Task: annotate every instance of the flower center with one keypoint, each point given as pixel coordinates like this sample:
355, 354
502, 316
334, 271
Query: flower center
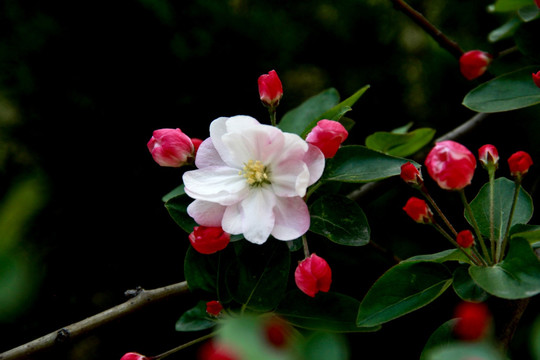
255, 172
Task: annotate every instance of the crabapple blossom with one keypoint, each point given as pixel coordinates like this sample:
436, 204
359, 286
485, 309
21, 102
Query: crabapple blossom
171, 147
251, 179
488, 156
312, 275
451, 165
474, 63
327, 135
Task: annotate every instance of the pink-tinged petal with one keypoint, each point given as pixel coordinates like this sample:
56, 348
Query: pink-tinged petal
293, 148
258, 216
232, 219
314, 159
207, 155
224, 125
218, 184
290, 178
292, 218
206, 213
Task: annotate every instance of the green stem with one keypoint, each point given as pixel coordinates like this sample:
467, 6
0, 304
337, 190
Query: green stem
438, 210
491, 172
305, 246
449, 238
183, 346
272, 112
475, 226
509, 225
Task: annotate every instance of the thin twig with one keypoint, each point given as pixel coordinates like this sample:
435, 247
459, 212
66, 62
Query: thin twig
143, 298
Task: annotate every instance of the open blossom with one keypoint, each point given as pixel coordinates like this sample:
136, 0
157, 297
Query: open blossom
451, 165
251, 179
312, 275
171, 147
474, 63
327, 135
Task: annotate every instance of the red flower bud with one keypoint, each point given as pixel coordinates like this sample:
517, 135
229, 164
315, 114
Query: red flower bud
312, 275
196, 143
472, 320
211, 350
465, 238
171, 147
133, 356
327, 135
277, 332
536, 77
410, 174
208, 240
474, 63
270, 89
451, 165
537, 2
488, 155
418, 210
213, 308
519, 163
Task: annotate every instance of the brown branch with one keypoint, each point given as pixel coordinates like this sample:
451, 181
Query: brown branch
451, 46
141, 299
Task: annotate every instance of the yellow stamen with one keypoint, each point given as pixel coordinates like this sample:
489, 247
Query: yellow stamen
255, 173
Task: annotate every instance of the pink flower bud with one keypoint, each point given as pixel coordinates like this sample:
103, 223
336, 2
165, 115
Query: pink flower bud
212, 350
472, 320
196, 143
519, 163
488, 156
327, 135
418, 210
474, 63
133, 356
536, 77
270, 89
213, 308
312, 275
465, 238
410, 174
171, 147
451, 165
208, 240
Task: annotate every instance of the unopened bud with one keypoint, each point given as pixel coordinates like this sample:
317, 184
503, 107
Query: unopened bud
418, 210
474, 63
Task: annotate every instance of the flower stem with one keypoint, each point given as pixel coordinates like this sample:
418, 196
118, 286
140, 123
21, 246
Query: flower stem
475, 226
438, 210
183, 346
272, 112
491, 172
509, 225
305, 246
449, 238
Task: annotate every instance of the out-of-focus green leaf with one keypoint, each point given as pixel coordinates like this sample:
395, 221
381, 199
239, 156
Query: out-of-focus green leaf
340, 219
325, 312
325, 346
529, 13
516, 277
504, 31
195, 319
400, 144
358, 164
504, 192
511, 91
442, 256
465, 350
440, 338
465, 287
404, 288
298, 119
508, 5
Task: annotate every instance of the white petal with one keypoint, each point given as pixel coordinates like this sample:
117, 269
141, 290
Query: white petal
292, 218
223, 125
207, 155
314, 159
258, 215
218, 184
290, 178
206, 213
264, 143
232, 219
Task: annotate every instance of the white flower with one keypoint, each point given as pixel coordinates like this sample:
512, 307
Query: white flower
251, 179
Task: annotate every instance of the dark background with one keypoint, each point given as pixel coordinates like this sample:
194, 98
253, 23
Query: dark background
84, 83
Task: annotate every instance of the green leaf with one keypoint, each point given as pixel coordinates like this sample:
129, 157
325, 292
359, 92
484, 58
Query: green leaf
325, 312
298, 119
201, 271
442, 337
177, 208
504, 192
400, 144
516, 277
531, 233
177, 191
337, 112
404, 288
442, 256
358, 164
258, 277
510, 91
508, 5
464, 350
340, 219
529, 13
504, 31
325, 346
465, 287
195, 319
